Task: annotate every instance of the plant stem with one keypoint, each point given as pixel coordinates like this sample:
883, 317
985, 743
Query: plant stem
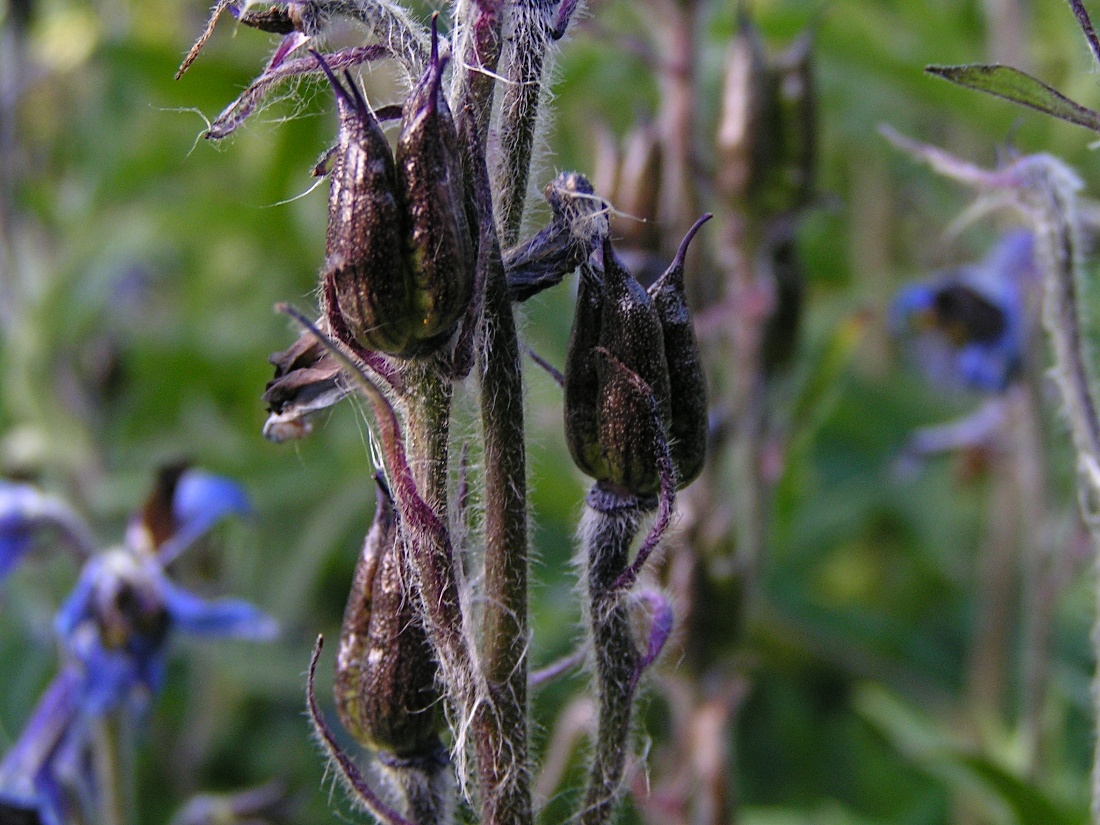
606, 540
502, 729
529, 32
1045, 190
477, 48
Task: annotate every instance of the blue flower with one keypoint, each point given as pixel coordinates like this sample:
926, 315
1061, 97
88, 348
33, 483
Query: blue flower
114, 630
967, 325
24, 513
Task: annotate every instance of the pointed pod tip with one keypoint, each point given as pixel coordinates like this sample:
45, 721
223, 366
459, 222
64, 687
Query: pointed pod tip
346, 96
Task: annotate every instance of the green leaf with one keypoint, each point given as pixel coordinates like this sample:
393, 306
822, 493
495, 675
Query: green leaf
1019, 87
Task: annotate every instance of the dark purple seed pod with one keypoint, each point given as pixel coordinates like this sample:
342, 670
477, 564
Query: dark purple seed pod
438, 246
581, 385
687, 380
365, 282
630, 330
385, 685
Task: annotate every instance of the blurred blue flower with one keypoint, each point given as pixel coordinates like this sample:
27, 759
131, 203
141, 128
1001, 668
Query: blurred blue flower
25, 512
967, 326
114, 630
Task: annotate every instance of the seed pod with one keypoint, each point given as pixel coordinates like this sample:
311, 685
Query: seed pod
631, 331
797, 101
781, 330
687, 381
638, 192
438, 247
582, 390
364, 279
747, 111
385, 684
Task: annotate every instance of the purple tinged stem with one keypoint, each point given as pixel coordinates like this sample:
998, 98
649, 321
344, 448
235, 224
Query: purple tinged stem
237, 112
355, 779
1086, 26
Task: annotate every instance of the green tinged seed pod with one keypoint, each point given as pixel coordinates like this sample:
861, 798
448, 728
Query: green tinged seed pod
385, 684
581, 388
630, 330
687, 381
438, 247
365, 279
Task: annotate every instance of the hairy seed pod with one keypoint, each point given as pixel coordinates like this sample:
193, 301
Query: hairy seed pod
385, 684
438, 247
582, 389
365, 283
687, 381
631, 331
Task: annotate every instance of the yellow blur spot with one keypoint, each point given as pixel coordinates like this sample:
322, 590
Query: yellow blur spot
65, 38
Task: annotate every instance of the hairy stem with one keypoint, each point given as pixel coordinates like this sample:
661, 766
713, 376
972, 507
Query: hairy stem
477, 43
427, 785
530, 27
502, 730
606, 538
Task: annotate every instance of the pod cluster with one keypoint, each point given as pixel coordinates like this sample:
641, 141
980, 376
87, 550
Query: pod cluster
400, 256
618, 328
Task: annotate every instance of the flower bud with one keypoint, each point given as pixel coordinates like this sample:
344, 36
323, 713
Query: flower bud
438, 245
687, 381
385, 685
365, 280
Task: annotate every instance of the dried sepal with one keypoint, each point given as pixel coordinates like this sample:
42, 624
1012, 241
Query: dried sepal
349, 774
687, 379
364, 274
385, 684
582, 387
630, 330
438, 246
578, 226
307, 380
236, 113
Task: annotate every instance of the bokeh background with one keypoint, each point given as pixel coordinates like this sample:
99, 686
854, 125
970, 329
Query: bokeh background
139, 266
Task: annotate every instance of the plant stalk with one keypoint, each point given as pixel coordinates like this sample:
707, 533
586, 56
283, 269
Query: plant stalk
501, 730
606, 540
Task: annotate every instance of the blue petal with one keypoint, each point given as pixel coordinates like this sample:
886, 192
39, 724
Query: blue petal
909, 301
17, 505
230, 618
1013, 256
78, 606
47, 727
25, 510
202, 500
110, 676
985, 368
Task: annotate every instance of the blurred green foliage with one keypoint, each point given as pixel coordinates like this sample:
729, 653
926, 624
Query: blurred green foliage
142, 266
